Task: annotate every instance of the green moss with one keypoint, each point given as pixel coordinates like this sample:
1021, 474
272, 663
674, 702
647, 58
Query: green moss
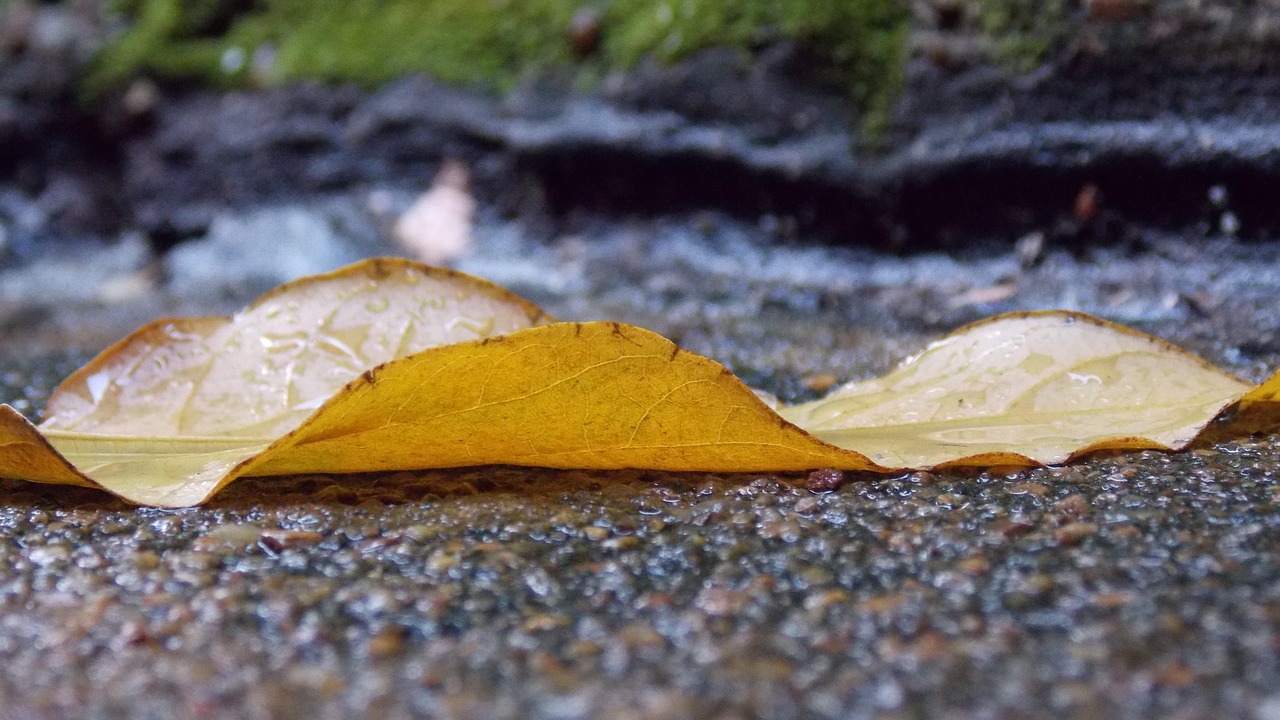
859, 42
488, 42
1025, 32
368, 41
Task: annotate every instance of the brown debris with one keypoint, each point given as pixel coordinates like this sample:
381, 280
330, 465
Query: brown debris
824, 480
437, 228
279, 540
821, 382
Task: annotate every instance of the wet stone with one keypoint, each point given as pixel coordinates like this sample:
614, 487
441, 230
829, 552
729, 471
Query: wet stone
1075, 533
1072, 507
280, 540
806, 506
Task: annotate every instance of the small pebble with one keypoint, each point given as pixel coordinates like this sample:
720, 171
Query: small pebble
824, 481
279, 540
1074, 533
626, 542
1072, 507
1015, 527
543, 622
386, 643
721, 601
422, 533
146, 560
233, 536
974, 565
807, 505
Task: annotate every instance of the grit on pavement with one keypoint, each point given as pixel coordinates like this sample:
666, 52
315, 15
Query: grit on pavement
1125, 585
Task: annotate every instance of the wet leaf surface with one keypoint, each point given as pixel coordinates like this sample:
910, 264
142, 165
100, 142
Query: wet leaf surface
388, 365
1040, 386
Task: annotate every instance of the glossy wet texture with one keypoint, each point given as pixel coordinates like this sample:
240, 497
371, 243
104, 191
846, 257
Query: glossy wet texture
262, 371
1153, 593
181, 408
170, 413
1042, 386
1141, 585
1134, 586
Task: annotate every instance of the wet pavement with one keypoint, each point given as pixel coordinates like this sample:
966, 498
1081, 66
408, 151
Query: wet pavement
1133, 176
1132, 585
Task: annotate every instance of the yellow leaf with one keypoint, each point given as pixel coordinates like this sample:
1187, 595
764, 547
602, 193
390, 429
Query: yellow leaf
165, 415
390, 365
570, 395
1033, 388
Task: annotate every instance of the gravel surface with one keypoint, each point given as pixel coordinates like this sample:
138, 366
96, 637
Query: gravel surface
1136, 585
1133, 586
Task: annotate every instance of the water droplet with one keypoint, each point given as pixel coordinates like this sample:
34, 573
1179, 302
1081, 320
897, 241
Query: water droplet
480, 327
97, 384
175, 334
277, 342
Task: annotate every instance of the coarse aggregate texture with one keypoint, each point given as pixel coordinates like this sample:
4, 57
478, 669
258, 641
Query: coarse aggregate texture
1136, 585
1140, 585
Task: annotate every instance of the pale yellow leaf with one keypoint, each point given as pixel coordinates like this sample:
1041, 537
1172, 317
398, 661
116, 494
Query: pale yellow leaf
163, 416
1039, 387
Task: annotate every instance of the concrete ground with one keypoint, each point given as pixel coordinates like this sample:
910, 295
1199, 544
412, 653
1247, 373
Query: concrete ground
1130, 585
1132, 174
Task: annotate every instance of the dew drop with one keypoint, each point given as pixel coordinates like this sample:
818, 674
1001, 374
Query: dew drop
480, 327
97, 384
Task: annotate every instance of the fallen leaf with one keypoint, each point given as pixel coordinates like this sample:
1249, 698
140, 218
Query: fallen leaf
437, 227
162, 416
984, 295
1032, 388
390, 365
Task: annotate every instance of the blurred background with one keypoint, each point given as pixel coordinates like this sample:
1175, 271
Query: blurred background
788, 186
